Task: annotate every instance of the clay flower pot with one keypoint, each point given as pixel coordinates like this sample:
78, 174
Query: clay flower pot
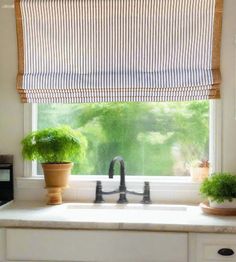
198, 174
199, 170
56, 179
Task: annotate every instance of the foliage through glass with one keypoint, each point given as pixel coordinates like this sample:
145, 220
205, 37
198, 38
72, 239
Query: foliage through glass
155, 139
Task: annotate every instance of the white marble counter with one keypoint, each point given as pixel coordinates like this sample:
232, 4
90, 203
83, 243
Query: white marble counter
113, 217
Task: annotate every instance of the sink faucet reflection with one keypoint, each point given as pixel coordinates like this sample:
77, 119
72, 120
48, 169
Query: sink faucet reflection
122, 187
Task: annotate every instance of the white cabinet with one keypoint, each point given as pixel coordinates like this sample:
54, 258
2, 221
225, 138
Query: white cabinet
2, 244
96, 246
34, 245
207, 247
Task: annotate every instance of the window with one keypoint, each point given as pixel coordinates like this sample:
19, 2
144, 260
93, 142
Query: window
155, 139
126, 57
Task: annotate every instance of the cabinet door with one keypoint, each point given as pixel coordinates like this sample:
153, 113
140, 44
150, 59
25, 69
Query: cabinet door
2, 245
212, 247
106, 246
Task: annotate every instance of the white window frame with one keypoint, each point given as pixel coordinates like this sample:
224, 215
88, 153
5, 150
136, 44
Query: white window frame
183, 188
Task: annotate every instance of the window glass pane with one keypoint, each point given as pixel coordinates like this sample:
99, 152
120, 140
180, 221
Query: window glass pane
155, 139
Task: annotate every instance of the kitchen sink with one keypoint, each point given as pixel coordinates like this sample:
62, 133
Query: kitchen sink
126, 207
124, 213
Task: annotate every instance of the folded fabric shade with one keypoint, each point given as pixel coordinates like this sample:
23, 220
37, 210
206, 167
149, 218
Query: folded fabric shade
118, 50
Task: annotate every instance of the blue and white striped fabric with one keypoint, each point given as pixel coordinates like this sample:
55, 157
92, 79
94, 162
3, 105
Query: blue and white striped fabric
117, 50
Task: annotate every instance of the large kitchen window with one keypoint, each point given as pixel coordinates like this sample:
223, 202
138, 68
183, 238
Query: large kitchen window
147, 54
155, 139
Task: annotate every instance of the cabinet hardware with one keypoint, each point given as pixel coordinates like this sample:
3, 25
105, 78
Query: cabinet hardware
225, 252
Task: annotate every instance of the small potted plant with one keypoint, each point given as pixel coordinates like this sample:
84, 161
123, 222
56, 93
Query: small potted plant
220, 189
55, 148
199, 170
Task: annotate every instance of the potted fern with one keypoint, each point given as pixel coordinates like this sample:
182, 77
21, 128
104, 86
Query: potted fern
56, 149
220, 189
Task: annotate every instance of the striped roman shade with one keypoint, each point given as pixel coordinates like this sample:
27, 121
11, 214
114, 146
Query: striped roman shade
73, 51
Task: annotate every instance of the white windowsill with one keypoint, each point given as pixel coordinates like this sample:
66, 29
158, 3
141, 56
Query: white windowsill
174, 190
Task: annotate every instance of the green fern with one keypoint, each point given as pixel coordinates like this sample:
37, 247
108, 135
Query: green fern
54, 145
219, 187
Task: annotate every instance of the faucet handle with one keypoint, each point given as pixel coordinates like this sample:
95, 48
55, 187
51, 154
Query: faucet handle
146, 193
98, 197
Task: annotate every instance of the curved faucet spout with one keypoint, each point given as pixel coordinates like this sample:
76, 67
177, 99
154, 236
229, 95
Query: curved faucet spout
122, 166
122, 188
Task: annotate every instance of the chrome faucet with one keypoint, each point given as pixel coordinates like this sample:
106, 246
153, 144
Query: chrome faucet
122, 187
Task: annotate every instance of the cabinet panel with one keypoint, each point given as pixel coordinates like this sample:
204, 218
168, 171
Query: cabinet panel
84, 245
205, 247
2, 245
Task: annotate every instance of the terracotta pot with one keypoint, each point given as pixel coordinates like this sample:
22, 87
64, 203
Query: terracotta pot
57, 175
56, 179
198, 174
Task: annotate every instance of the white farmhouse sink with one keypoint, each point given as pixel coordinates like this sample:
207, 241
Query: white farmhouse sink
125, 207
124, 213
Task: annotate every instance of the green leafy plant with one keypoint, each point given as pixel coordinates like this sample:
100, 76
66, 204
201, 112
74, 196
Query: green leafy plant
54, 145
219, 187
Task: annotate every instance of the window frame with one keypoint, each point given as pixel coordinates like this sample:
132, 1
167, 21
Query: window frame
177, 185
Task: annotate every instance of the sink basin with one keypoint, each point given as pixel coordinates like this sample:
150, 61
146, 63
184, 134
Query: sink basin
125, 207
124, 213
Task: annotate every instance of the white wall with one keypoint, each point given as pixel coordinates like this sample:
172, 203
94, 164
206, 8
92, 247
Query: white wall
11, 110
228, 70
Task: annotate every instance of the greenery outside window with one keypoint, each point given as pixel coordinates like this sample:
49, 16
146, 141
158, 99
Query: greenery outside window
155, 139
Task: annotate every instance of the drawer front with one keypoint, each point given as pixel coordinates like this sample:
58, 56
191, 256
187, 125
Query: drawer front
206, 247
84, 245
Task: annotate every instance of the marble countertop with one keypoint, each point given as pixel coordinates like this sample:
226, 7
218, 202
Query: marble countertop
113, 217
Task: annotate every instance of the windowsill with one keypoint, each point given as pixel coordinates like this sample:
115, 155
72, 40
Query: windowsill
178, 190
159, 179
